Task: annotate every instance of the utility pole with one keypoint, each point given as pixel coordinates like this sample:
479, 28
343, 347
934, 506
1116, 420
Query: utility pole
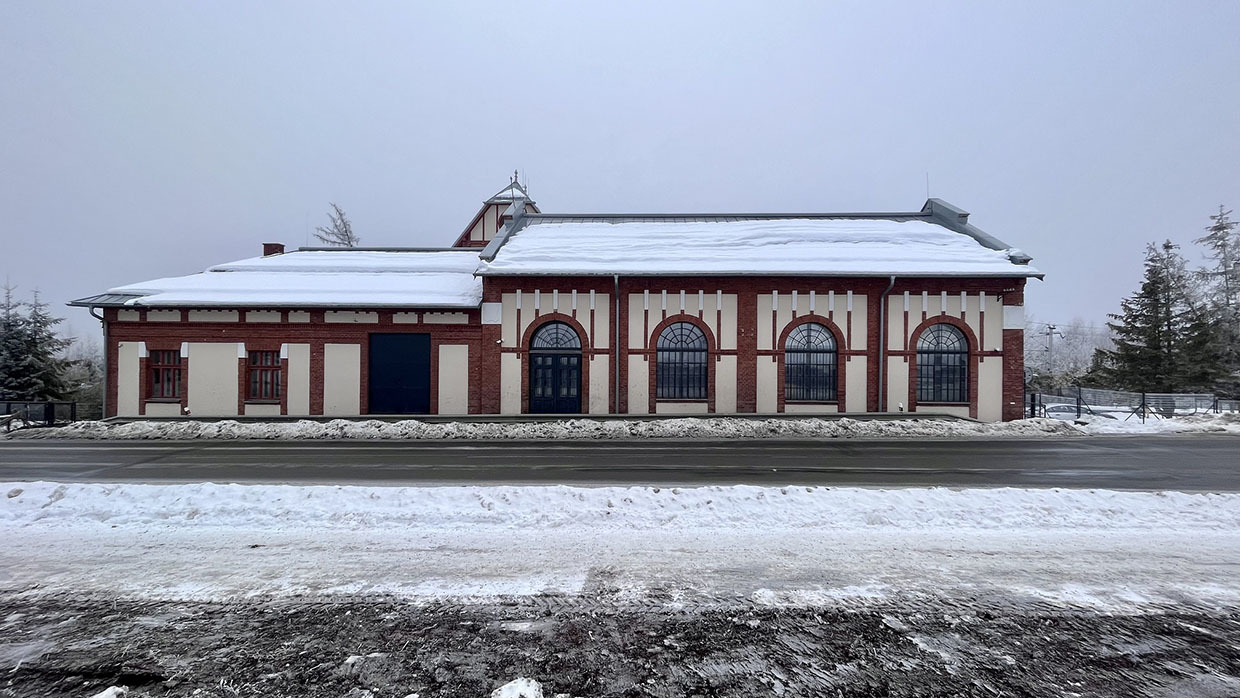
1051, 331
1050, 346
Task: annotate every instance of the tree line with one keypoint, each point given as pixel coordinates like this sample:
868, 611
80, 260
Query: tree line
37, 364
1178, 333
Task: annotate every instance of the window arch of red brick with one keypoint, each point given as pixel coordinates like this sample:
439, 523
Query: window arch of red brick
587, 352
841, 358
712, 356
974, 359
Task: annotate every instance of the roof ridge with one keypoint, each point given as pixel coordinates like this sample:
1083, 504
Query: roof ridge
382, 249
855, 214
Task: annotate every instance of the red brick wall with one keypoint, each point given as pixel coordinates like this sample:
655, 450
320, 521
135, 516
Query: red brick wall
316, 333
485, 352
1014, 357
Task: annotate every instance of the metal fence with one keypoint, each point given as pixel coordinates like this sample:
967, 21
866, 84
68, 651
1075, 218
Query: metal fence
1123, 404
37, 414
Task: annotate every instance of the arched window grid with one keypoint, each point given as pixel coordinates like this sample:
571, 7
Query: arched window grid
943, 365
681, 369
810, 364
555, 336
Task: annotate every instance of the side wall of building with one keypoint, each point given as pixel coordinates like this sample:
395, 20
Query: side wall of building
480, 359
323, 359
747, 321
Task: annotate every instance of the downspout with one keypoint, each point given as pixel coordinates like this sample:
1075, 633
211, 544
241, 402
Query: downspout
103, 399
615, 304
882, 343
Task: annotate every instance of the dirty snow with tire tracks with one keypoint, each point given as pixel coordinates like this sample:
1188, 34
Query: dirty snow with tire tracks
771, 545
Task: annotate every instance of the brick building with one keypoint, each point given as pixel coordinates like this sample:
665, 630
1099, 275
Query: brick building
532, 312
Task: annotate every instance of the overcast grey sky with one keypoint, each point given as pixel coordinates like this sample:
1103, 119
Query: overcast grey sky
140, 140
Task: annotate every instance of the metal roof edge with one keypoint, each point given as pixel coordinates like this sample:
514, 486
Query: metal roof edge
86, 302
517, 221
192, 306
957, 219
876, 215
383, 249
746, 274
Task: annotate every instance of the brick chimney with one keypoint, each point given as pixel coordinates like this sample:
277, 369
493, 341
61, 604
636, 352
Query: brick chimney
270, 248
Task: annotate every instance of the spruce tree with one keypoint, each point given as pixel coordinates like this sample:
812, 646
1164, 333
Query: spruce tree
1149, 330
1222, 240
46, 349
31, 365
16, 381
1199, 365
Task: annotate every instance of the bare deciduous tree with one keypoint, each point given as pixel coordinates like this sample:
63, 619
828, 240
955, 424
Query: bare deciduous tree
339, 233
1059, 355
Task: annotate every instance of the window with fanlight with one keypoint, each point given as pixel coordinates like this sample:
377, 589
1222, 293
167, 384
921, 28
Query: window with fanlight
943, 365
810, 364
681, 369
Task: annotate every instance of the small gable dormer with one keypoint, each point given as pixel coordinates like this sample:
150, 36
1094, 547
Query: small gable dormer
492, 216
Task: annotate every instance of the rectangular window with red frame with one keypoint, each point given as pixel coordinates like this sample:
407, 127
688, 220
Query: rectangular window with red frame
165, 367
264, 376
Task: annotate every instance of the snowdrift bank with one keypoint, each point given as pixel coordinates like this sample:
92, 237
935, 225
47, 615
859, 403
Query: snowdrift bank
603, 430
576, 429
1225, 423
735, 508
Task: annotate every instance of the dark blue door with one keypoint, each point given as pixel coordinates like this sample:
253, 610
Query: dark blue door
555, 383
400, 374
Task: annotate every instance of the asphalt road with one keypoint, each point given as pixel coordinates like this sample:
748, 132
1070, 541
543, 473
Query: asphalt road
1152, 463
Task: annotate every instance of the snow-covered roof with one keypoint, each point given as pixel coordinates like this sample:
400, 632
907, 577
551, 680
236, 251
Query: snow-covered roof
869, 245
314, 278
936, 241
509, 193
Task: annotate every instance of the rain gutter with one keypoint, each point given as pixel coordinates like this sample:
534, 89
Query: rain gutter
882, 343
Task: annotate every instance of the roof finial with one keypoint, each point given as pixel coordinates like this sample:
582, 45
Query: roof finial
514, 176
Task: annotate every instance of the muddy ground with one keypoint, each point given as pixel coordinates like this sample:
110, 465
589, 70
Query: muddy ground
78, 647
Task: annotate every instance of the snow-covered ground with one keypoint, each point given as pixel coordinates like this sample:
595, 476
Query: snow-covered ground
780, 546
1226, 422
589, 429
594, 429
577, 429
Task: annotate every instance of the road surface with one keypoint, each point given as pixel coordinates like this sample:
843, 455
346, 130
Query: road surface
1189, 463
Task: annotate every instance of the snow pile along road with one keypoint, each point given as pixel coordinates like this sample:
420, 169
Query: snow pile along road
1224, 423
574, 429
523, 508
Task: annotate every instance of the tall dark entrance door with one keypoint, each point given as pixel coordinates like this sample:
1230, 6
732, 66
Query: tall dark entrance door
555, 370
400, 374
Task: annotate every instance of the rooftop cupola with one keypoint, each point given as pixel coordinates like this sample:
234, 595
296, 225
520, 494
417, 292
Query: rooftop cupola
495, 212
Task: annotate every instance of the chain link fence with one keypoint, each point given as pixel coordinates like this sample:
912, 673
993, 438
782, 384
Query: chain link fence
1074, 402
36, 414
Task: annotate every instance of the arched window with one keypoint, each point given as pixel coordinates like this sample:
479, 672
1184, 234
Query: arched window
555, 369
555, 335
680, 371
810, 364
942, 365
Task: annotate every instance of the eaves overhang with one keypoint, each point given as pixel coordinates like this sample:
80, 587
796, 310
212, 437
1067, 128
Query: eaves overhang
104, 300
